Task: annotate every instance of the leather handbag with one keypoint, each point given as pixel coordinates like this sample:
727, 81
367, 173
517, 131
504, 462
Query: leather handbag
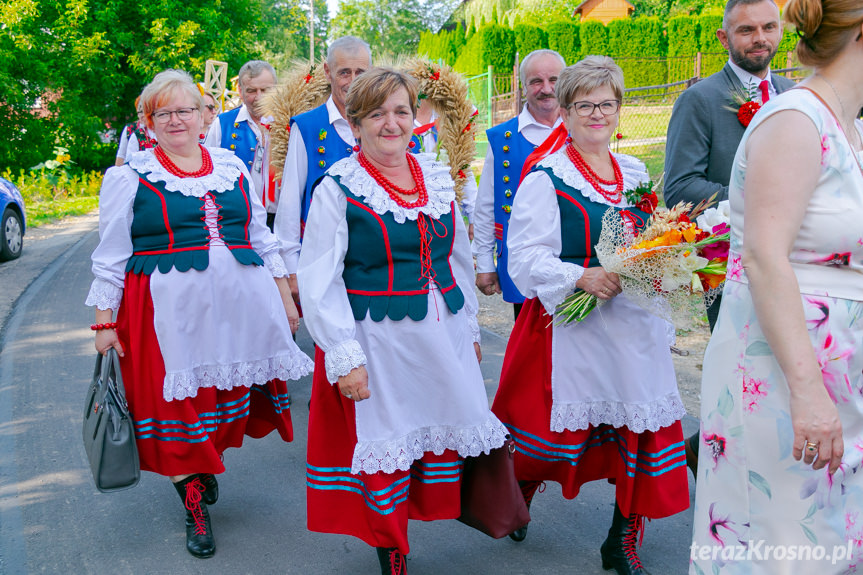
491, 500
109, 435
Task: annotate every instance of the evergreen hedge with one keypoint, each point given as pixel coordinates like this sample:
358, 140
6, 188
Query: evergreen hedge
637, 45
497, 47
564, 38
529, 38
594, 38
683, 44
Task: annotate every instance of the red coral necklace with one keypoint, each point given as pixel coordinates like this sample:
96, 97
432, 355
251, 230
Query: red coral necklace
614, 196
206, 163
393, 190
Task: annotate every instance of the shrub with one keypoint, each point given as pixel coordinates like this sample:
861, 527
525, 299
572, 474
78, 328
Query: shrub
563, 37
529, 38
594, 38
497, 47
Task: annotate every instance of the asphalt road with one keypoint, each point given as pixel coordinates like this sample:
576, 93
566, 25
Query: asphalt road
52, 519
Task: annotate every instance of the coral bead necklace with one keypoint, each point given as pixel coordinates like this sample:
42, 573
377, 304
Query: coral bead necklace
393, 190
168, 164
614, 196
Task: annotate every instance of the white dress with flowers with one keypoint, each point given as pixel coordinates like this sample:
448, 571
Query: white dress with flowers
757, 510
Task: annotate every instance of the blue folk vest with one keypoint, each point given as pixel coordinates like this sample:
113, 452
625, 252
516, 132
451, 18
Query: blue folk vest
324, 147
168, 228
581, 222
238, 137
382, 265
510, 149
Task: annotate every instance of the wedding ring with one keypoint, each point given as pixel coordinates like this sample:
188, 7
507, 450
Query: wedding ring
811, 446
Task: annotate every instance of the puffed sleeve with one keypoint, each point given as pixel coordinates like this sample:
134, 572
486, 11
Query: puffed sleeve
263, 241
116, 198
534, 244
326, 309
287, 223
462, 269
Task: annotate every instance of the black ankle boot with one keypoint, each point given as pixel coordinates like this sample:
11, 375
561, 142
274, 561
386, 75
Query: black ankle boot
392, 561
199, 533
528, 490
211, 488
618, 551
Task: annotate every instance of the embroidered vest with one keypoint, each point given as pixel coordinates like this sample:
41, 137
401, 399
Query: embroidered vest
581, 222
238, 137
324, 147
145, 142
510, 149
168, 228
382, 265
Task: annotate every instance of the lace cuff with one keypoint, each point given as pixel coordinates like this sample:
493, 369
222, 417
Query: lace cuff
275, 264
340, 359
552, 295
104, 295
473, 324
638, 418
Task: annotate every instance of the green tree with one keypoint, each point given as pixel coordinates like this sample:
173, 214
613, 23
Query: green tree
85, 61
390, 26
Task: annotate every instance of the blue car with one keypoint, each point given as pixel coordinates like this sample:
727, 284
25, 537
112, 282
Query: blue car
11, 222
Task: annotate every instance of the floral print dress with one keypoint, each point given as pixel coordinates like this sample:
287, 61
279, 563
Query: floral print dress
757, 510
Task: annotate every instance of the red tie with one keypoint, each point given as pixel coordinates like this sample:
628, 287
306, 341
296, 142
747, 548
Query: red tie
765, 93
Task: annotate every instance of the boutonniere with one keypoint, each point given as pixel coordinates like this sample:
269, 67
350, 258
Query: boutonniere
643, 197
744, 106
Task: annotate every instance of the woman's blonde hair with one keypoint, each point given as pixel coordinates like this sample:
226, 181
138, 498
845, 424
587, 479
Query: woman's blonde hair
587, 75
164, 84
372, 88
825, 27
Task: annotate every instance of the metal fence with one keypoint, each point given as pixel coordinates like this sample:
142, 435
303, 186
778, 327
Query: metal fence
646, 109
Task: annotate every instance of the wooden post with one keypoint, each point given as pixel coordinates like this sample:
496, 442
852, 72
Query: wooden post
698, 65
516, 89
215, 80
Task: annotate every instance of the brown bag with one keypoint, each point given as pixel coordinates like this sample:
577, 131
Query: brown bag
491, 500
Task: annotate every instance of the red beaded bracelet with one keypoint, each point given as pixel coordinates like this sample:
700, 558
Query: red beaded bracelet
101, 326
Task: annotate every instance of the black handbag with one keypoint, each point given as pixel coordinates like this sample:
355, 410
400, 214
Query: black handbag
109, 435
491, 500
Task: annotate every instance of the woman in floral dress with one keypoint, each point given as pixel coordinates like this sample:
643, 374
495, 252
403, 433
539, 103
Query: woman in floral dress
779, 483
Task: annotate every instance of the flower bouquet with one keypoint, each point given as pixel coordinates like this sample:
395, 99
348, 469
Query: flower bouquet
664, 265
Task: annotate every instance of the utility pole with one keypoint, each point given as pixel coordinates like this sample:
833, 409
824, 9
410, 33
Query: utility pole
312, 34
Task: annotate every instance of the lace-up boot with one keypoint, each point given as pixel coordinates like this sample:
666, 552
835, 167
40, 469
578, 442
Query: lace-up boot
619, 549
211, 488
392, 561
528, 490
199, 533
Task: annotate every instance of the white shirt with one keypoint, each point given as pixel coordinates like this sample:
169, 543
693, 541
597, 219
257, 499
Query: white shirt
132, 144
483, 217
294, 175
260, 169
751, 82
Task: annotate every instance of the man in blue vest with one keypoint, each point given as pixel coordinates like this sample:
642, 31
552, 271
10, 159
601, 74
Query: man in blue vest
243, 131
509, 144
319, 138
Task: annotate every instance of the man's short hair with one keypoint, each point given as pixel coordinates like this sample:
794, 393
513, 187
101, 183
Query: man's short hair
732, 4
347, 44
523, 66
254, 68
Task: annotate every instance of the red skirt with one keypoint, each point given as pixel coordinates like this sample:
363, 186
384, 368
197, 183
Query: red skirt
373, 507
649, 468
187, 436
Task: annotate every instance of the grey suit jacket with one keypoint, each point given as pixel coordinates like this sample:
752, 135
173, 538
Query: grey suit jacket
703, 136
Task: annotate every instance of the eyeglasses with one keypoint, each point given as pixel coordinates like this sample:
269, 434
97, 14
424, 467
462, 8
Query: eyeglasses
606, 108
183, 114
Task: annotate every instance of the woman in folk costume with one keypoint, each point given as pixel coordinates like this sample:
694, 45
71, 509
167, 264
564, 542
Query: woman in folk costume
596, 399
203, 331
386, 280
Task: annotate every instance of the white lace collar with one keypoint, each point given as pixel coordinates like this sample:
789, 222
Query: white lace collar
633, 171
439, 185
227, 167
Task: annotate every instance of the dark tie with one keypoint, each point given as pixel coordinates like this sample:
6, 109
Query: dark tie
765, 92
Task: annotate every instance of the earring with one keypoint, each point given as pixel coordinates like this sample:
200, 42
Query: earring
356, 148
200, 136
412, 145
619, 136
569, 139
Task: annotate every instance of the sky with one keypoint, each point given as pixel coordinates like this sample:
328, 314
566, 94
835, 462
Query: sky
333, 6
